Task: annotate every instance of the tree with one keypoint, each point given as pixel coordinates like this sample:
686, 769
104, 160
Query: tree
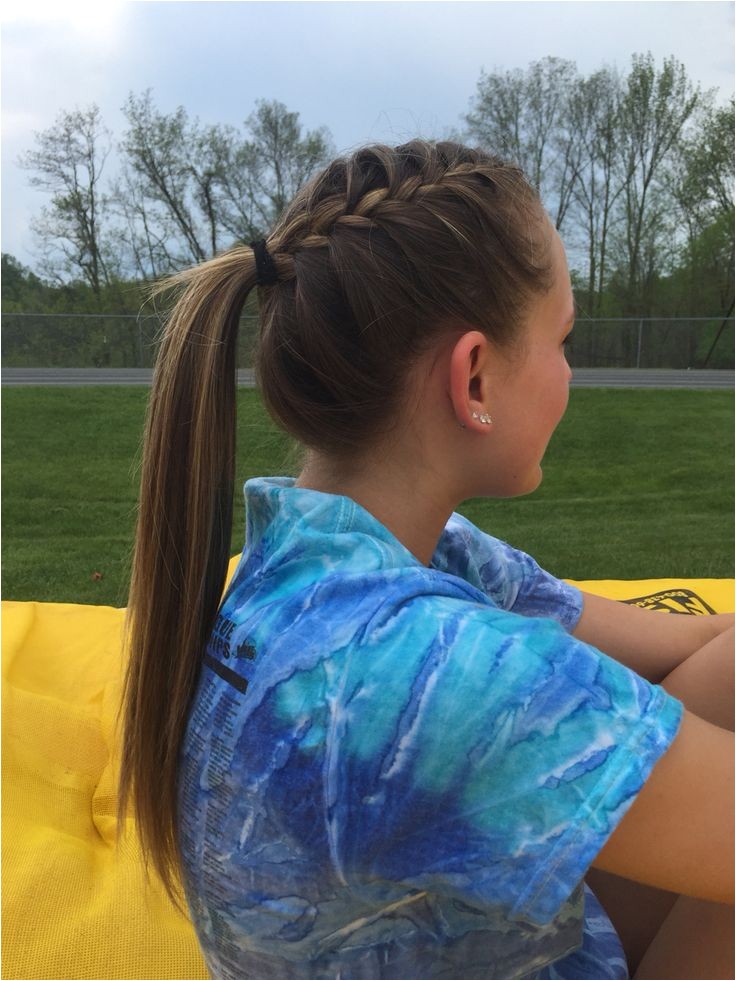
602, 151
264, 172
19, 285
146, 234
594, 112
68, 162
708, 158
655, 108
525, 115
282, 159
159, 164
701, 178
187, 191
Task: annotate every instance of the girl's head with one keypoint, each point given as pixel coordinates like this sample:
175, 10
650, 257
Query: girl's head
525, 390
380, 257
384, 259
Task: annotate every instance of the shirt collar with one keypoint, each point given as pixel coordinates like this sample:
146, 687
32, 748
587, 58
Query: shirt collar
279, 513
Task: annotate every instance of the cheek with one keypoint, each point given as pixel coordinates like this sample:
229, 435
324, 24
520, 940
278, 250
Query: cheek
565, 398
551, 406
561, 387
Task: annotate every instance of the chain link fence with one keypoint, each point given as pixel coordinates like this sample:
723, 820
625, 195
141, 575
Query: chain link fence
653, 342
126, 341
90, 340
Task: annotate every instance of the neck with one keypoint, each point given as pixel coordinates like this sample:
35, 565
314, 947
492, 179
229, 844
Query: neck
412, 509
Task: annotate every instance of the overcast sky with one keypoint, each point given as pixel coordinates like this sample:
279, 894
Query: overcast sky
369, 71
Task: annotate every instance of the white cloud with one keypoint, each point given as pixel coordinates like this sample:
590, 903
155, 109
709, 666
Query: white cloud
86, 21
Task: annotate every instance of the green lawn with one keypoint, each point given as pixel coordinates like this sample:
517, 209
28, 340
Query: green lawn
637, 484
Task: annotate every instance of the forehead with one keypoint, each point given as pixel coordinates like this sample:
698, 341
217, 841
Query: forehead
559, 255
549, 313
559, 298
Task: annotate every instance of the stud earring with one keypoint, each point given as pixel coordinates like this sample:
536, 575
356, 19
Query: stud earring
484, 417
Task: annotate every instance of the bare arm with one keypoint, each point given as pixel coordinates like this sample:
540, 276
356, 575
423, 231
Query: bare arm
678, 833
704, 681
652, 644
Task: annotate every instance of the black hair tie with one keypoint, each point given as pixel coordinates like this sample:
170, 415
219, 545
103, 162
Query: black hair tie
266, 272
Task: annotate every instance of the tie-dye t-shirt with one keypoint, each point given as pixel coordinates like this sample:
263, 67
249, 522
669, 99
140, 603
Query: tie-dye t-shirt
394, 770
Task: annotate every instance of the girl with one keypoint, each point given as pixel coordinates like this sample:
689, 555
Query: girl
394, 751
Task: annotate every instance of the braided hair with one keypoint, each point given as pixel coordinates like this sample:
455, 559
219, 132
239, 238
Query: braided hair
380, 254
377, 258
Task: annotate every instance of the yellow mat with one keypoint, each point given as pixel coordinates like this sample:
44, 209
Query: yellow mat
73, 907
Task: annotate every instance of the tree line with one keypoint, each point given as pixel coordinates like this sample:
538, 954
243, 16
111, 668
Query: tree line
635, 169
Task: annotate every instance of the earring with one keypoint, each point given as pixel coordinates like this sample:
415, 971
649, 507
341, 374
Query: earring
484, 417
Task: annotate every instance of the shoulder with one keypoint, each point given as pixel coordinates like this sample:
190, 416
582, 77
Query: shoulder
489, 563
527, 742
474, 642
509, 577
490, 663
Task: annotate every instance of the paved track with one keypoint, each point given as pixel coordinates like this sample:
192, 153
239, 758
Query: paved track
582, 377
651, 378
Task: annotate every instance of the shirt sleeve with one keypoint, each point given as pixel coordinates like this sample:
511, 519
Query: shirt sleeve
512, 759
512, 579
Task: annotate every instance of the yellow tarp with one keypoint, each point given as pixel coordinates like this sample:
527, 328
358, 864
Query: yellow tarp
73, 907
698, 596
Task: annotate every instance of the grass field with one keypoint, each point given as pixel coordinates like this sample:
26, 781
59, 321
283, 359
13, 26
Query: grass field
637, 484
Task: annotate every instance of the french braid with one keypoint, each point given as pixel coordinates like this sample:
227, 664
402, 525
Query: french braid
376, 257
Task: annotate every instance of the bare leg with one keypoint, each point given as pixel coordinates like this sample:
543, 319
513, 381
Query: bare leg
705, 681
636, 911
705, 684
665, 935
695, 941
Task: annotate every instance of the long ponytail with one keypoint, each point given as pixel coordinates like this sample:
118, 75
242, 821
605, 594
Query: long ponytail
375, 260
182, 541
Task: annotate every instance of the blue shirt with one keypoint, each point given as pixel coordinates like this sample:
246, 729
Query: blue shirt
399, 771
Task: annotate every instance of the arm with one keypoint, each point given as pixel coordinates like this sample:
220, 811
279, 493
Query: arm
678, 833
652, 644
704, 681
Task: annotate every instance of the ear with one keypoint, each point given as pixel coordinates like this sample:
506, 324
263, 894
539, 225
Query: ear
469, 360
